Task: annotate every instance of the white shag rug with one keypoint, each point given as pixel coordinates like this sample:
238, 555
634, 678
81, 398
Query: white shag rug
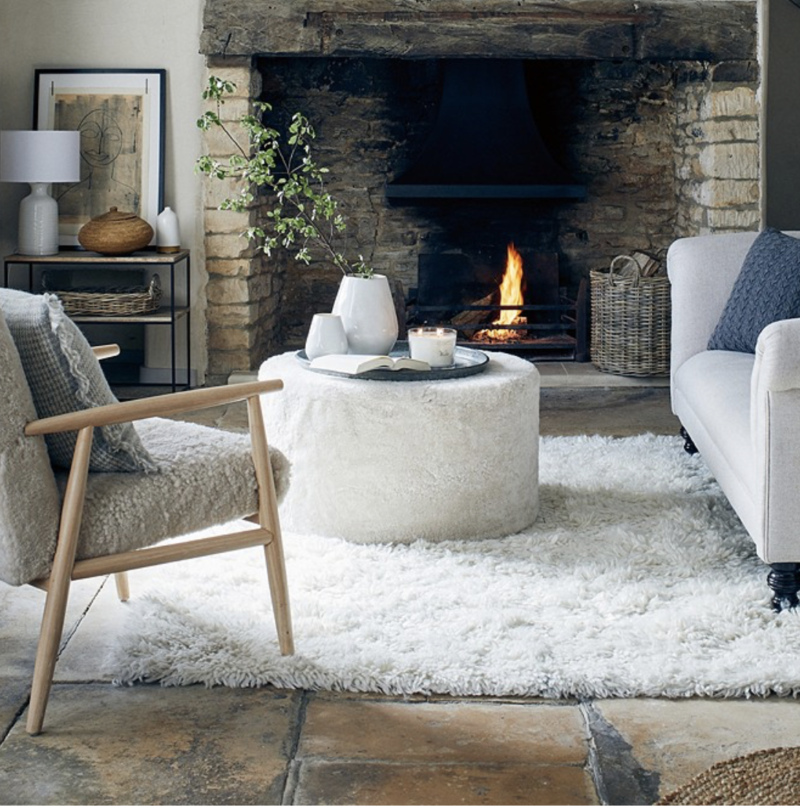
636, 579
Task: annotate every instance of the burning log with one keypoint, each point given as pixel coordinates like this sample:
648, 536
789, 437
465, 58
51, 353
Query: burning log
463, 320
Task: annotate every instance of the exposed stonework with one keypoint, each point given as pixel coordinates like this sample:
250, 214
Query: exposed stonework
511, 29
666, 148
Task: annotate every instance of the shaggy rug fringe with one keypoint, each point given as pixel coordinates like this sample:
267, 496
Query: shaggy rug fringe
637, 579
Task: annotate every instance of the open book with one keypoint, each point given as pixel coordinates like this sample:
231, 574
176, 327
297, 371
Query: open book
359, 363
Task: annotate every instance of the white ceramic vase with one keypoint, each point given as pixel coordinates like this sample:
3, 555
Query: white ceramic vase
367, 311
325, 336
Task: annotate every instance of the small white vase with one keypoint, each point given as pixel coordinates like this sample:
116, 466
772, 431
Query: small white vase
325, 336
168, 239
367, 311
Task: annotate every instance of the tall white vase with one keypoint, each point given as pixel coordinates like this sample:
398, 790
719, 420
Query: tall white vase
367, 311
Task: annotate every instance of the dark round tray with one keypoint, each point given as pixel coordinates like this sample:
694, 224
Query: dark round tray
467, 363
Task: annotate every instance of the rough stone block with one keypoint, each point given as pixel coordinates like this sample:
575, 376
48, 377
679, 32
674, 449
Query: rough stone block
217, 144
215, 191
233, 339
242, 75
737, 102
241, 268
730, 161
222, 290
725, 131
227, 246
235, 222
727, 219
727, 193
233, 315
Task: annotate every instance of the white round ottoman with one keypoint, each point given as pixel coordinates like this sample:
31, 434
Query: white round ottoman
374, 461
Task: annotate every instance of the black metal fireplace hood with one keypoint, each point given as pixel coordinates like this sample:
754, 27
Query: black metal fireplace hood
485, 143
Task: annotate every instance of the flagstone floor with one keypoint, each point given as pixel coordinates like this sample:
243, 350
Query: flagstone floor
150, 745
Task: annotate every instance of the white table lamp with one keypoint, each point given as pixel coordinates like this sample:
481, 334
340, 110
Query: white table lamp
39, 157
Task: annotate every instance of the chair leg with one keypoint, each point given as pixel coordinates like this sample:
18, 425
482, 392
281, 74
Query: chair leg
268, 518
55, 607
123, 587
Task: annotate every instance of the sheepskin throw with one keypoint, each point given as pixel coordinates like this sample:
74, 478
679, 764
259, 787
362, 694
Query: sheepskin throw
29, 506
64, 376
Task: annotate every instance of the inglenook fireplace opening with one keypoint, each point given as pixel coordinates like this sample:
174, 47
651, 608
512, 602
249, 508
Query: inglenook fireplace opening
651, 108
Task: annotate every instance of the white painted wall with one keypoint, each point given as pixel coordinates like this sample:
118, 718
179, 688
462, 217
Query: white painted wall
115, 34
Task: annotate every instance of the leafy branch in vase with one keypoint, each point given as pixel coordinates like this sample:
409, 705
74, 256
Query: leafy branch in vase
302, 213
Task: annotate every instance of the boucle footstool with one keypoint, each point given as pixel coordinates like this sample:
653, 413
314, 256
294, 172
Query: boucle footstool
378, 461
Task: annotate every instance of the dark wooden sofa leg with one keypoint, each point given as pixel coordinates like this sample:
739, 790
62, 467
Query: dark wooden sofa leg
689, 444
784, 579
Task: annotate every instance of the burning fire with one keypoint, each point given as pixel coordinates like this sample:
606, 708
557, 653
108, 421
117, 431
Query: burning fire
510, 295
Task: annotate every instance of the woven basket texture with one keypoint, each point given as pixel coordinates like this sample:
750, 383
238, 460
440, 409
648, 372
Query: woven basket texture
631, 319
116, 233
770, 777
111, 300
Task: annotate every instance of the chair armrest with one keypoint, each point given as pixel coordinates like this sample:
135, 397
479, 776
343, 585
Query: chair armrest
702, 271
105, 351
165, 405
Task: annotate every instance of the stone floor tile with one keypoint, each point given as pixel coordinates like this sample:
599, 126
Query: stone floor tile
463, 731
14, 694
20, 619
150, 745
84, 657
338, 783
680, 738
607, 412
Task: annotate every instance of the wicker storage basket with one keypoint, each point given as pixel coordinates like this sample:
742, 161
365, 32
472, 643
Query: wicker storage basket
110, 300
631, 318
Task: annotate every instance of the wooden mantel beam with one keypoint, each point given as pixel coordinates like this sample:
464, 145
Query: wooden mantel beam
714, 30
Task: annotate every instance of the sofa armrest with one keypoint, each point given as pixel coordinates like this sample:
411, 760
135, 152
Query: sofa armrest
775, 433
702, 271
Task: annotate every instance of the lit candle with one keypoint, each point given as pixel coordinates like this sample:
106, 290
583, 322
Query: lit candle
434, 344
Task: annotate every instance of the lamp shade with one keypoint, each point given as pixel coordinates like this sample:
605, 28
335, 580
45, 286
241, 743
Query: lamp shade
40, 156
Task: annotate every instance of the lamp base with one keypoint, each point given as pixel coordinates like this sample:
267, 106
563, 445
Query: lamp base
38, 223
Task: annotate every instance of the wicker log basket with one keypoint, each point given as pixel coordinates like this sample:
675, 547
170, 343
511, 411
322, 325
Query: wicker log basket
631, 317
109, 300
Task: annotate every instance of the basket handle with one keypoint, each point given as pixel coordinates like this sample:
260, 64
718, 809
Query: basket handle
624, 262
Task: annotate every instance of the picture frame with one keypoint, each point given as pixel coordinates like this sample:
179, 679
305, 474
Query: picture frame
121, 116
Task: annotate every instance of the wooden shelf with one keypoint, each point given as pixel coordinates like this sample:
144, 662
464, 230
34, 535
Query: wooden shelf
162, 315
86, 257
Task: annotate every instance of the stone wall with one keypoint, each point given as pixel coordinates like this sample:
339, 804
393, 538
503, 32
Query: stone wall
665, 149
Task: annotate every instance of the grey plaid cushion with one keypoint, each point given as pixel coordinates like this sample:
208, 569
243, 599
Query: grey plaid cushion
64, 375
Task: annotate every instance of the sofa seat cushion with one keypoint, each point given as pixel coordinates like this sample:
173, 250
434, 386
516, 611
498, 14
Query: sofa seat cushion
206, 478
711, 397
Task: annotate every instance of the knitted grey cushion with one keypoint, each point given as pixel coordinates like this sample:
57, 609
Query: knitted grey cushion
766, 290
64, 375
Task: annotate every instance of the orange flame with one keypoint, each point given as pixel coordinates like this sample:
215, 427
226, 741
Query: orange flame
510, 295
511, 288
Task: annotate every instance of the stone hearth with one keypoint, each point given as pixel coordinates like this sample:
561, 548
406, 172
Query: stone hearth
653, 106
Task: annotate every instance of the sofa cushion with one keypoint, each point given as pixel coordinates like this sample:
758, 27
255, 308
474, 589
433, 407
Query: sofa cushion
64, 376
766, 290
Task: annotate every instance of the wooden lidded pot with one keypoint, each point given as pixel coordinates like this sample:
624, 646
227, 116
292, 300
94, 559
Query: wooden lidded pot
116, 233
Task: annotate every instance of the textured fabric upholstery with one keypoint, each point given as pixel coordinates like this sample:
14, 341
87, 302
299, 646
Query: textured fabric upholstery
741, 410
64, 376
207, 477
29, 508
766, 290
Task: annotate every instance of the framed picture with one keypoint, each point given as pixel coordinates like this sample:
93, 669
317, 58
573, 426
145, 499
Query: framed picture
120, 115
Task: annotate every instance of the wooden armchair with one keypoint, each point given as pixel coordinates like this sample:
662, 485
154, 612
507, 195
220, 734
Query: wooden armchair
219, 478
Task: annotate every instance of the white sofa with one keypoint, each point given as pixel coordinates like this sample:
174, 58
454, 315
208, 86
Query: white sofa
740, 411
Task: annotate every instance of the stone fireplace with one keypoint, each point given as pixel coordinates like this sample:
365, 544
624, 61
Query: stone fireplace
652, 107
